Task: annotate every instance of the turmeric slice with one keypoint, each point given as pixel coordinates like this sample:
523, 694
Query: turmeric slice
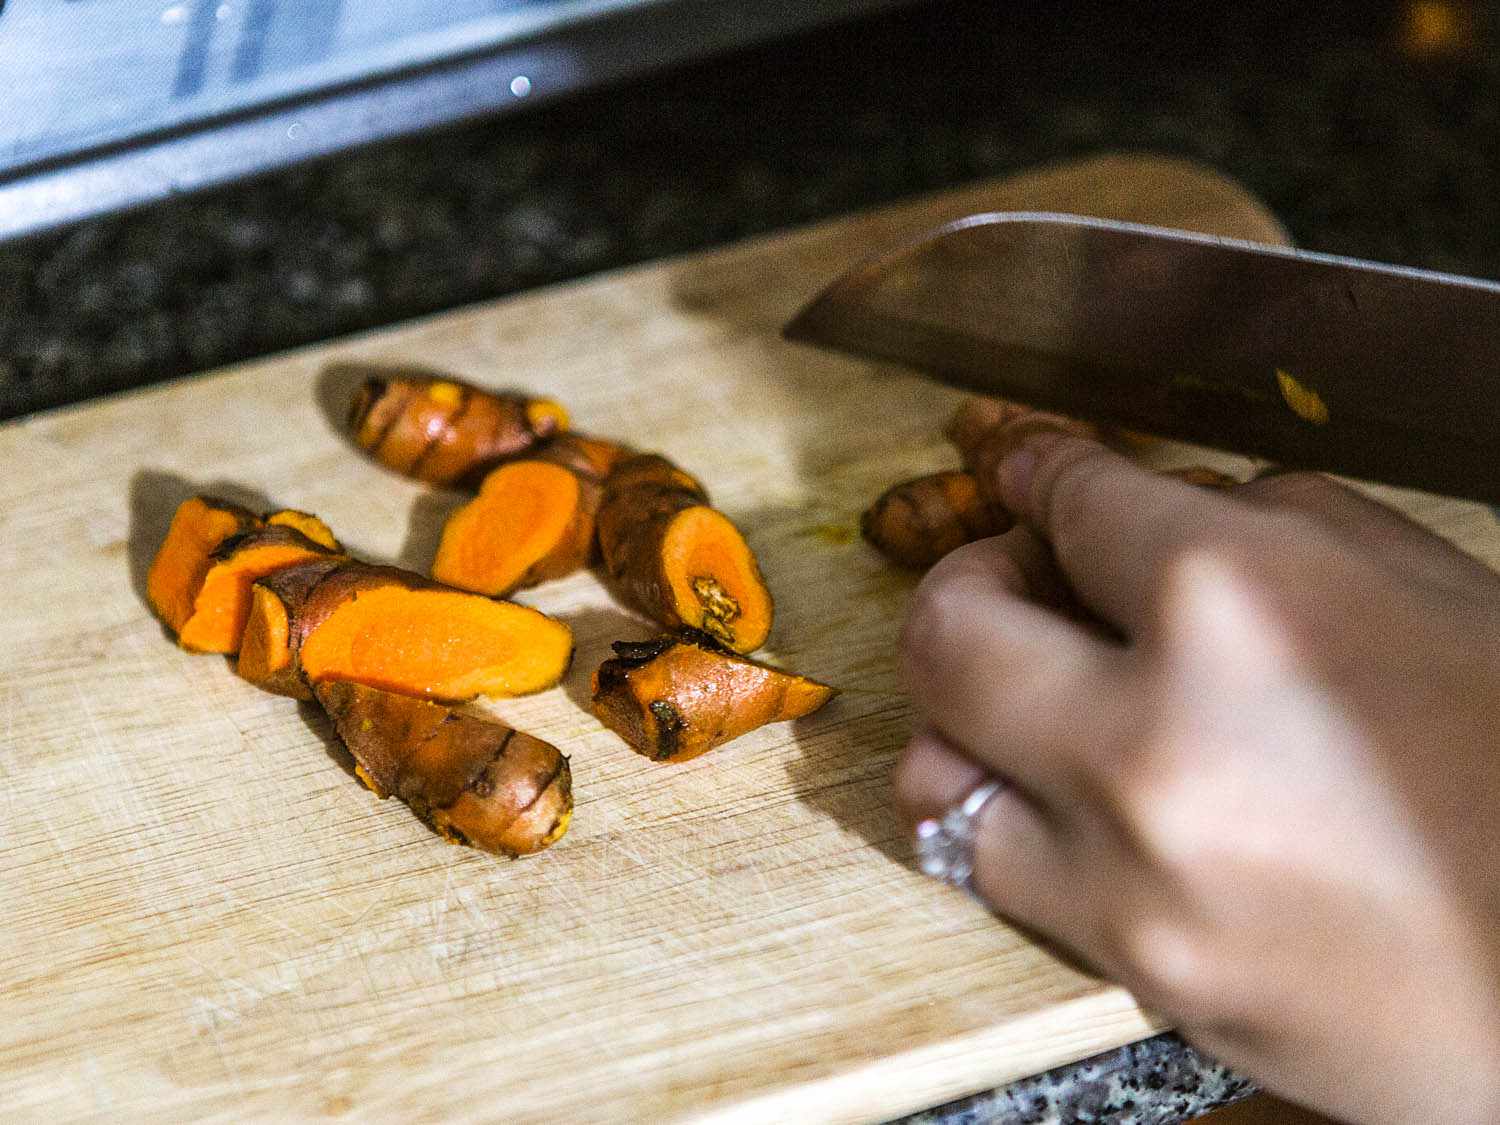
532, 521
444, 431
199, 526
308, 524
200, 581
393, 629
916, 522
676, 559
268, 656
675, 698
472, 779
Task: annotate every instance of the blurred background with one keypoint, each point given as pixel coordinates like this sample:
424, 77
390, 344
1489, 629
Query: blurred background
185, 183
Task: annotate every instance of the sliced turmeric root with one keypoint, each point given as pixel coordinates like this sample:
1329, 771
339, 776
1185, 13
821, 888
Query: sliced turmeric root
444, 431
917, 522
308, 524
474, 780
200, 524
201, 578
674, 698
676, 559
393, 629
532, 521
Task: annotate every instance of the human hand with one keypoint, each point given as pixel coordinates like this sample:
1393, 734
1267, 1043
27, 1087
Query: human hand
1253, 746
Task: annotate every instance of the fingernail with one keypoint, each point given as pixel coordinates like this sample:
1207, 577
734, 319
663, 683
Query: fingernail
1016, 472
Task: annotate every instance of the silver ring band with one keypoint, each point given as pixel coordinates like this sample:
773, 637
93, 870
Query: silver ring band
945, 846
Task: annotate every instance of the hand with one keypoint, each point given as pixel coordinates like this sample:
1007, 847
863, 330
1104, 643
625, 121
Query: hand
1253, 741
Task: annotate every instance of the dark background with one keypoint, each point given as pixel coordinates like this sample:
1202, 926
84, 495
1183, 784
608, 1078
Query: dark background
1365, 138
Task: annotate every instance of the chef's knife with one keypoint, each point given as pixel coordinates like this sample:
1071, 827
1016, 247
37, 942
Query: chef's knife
1311, 360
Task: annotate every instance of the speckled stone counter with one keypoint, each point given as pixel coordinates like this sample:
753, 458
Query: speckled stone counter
1369, 131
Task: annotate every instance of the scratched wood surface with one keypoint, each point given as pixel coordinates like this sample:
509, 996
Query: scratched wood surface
205, 916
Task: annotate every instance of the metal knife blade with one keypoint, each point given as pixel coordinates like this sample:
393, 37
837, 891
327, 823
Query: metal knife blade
1310, 360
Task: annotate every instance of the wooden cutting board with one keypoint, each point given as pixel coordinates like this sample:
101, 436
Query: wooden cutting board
206, 916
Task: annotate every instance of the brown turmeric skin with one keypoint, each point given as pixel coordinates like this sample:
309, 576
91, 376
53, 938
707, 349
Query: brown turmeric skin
532, 521
677, 560
917, 522
443, 431
392, 629
474, 780
200, 581
675, 698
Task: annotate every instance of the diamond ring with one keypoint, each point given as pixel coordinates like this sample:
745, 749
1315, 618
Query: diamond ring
945, 847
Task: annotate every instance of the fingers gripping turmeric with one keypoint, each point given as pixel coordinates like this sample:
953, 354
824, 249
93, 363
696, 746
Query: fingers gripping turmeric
476, 781
444, 431
675, 698
677, 560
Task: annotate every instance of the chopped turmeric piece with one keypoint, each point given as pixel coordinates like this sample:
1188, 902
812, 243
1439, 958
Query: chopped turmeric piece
201, 578
308, 524
917, 522
473, 779
268, 657
677, 560
1305, 402
444, 431
200, 524
675, 698
532, 521
393, 629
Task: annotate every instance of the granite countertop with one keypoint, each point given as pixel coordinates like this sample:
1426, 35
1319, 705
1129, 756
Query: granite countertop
1370, 128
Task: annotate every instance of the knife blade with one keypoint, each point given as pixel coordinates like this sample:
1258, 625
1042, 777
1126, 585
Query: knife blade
1310, 360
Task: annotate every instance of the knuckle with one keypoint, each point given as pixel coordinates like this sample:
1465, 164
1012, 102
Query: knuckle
1291, 488
1167, 967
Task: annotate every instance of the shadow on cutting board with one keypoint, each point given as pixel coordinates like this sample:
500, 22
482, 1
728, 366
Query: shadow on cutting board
154, 498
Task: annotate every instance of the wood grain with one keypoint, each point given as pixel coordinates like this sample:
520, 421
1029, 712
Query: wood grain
207, 917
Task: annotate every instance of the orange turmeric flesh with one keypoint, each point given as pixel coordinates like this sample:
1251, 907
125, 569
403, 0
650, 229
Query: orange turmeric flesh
677, 560
308, 524
444, 431
268, 657
392, 629
917, 522
200, 524
673, 699
205, 597
532, 521
474, 780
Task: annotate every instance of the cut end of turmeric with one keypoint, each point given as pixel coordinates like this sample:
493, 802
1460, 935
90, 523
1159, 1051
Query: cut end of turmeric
916, 522
439, 643
199, 526
716, 585
675, 698
530, 522
308, 524
474, 780
201, 578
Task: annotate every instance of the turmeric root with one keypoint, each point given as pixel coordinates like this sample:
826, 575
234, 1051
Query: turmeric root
532, 521
676, 559
444, 431
474, 780
1202, 476
674, 698
393, 629
917, 522
199, 583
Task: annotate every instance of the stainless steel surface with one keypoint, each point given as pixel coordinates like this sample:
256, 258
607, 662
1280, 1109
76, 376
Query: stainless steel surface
1183, 336
116, 102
